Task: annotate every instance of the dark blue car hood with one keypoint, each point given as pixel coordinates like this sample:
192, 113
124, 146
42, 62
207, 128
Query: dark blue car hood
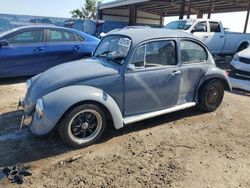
67, 74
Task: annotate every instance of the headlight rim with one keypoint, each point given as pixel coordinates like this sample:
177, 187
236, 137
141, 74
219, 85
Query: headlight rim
28, 84
40, 108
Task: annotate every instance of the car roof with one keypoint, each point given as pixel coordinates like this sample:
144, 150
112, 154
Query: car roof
44, 27
139, 35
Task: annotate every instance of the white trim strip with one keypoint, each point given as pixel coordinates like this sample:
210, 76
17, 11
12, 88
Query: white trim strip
136, 118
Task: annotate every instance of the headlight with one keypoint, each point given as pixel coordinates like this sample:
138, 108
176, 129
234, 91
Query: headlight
39, 108
28, 84
236, 57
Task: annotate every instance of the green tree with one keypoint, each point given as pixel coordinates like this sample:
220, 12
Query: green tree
88, 11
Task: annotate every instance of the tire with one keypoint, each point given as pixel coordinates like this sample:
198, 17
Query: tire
211, 95
83, 125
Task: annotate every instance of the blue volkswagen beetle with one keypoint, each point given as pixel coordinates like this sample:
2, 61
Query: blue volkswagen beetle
30, 50
133, 75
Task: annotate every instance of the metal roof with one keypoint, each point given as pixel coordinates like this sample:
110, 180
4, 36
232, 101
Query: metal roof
172, 7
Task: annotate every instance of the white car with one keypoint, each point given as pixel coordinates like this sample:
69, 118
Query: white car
240, 70
218, 40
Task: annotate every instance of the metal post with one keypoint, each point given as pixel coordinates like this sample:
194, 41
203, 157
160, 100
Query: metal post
161, 20
189, 8
131, 14
135, 15
246, 23
100, 14
210, 9
199, 14
182, 9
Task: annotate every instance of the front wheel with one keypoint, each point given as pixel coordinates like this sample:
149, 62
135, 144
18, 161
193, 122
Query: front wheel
83, 125
211, 95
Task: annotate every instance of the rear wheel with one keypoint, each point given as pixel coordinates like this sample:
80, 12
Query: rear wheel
211, 95
83, 125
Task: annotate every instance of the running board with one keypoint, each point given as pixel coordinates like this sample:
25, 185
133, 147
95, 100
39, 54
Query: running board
136, 118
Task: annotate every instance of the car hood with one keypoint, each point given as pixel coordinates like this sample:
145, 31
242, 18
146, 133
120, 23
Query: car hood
66, 74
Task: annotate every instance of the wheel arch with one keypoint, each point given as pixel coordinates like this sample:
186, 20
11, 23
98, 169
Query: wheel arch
211, 75
58, 103
105, 109
245, 44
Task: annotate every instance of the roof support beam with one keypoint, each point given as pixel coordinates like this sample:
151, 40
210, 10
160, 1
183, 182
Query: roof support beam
132, 14
189, 8
246, 23
199, 14
210, 9
182, 9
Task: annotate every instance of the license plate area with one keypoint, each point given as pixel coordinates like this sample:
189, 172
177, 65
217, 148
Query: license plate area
26, 121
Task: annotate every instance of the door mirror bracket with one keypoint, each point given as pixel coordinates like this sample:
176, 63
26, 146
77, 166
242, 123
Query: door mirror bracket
4, 43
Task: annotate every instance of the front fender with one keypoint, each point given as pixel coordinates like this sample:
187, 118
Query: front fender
214, 73
56, 103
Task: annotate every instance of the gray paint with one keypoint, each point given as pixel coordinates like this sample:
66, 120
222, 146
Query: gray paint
58, 102
127, 95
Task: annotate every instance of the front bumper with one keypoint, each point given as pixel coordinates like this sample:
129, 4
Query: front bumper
26, 121
239, 83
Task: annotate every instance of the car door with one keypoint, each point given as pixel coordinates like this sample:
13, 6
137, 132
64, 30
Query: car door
62, 46
215, 38
153, 82
24, 54
193, 66
200, 30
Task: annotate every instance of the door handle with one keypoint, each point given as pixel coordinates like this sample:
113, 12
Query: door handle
39, 49
77, 47
221, 36
174, 73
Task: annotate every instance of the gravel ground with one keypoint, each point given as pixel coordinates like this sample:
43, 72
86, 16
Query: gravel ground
182, 149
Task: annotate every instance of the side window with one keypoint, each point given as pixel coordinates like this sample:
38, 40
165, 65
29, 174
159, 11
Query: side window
201, 27
139, 57
80, 38
214, 27
61, 36
27, 37
160, 53
154, 54
192, 52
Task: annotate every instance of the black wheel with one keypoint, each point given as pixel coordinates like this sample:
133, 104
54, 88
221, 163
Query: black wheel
83, 125
211, 95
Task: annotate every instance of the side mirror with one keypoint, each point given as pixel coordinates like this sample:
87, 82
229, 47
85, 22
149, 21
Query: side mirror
199, 29
4, 43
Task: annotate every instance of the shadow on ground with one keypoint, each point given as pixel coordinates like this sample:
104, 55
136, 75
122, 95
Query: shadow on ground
17, 80
22, 146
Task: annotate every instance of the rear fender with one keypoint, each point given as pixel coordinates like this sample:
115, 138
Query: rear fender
213, 73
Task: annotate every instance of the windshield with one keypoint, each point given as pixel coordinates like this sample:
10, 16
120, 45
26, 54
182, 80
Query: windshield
180, 24
114, 48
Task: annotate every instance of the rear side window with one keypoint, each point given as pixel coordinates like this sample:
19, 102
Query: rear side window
27, 37
154, 54
214, 27
192, 52
61, 36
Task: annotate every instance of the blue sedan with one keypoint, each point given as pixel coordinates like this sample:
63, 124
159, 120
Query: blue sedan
31, 50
